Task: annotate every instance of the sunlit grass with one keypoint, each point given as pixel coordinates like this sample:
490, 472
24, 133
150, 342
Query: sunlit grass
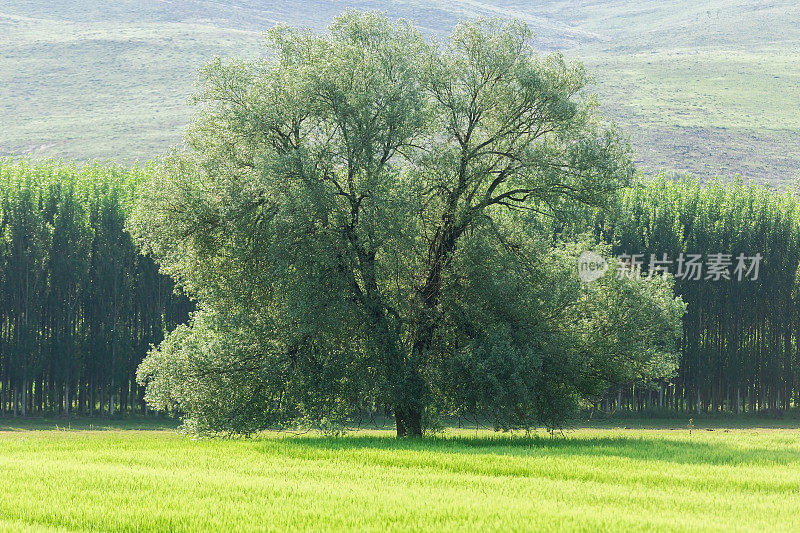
588, 479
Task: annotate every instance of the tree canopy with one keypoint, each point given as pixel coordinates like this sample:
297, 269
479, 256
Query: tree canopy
368, 221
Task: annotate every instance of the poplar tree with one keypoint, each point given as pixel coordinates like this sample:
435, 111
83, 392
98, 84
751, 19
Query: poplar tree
79, 307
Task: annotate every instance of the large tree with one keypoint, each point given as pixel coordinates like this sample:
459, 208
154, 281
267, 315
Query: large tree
367, 220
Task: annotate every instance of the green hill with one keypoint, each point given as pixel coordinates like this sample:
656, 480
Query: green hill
707, 87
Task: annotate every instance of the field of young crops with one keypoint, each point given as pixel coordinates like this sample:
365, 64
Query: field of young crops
145, 476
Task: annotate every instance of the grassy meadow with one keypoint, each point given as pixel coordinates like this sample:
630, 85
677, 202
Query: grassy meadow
143, 476
709, 88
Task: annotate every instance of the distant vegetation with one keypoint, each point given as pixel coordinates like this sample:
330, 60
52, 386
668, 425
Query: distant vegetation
61, 237
741, 337
710, 88
79, 306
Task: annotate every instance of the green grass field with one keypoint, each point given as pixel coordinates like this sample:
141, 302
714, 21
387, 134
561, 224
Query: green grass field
143, 477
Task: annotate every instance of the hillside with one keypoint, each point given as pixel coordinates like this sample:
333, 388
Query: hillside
706, 87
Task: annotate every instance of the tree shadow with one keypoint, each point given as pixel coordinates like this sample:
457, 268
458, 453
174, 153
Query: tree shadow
687, 451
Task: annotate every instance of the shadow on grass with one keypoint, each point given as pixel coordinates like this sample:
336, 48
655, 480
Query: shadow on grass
136, 423
700, 422
649, 448
670, 446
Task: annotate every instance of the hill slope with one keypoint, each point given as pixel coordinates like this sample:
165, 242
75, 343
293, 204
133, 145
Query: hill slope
708, 87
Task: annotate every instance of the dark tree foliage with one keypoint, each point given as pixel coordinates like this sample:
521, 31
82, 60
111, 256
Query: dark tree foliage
79, 307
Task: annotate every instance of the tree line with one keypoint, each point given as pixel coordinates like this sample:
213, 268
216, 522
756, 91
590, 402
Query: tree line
79, 306
741, 336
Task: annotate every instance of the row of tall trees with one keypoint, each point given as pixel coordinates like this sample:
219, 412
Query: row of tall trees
79, 307
741, 336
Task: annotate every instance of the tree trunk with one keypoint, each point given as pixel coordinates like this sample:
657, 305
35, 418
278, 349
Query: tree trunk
24, 399
738, 400
408, 421
400, 423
